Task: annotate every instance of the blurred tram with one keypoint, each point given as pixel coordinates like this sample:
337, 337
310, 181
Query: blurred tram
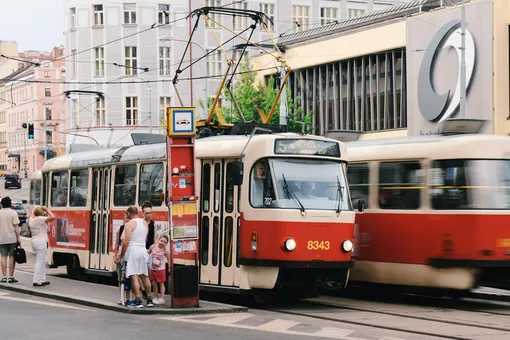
437, 211
265, 235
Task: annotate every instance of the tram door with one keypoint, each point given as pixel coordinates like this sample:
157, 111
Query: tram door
218, 239
100, 215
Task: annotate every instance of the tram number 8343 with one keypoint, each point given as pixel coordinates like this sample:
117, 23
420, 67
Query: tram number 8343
316, 245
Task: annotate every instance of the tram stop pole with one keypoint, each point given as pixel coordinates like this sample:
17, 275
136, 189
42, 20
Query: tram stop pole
183, 209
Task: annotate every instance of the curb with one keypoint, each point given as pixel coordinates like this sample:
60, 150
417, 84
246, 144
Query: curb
220, 308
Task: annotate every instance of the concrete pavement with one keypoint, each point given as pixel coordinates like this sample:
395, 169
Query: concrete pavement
104, 297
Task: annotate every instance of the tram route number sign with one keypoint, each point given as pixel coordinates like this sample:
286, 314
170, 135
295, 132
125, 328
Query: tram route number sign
309, 147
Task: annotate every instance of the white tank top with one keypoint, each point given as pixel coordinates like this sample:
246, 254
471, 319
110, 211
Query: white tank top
139, 235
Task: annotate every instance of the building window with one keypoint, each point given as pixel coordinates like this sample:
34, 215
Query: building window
328, 15
164, 61
268, 9
99, 54
240, 22
100, 112
164, 14
73, 64
47, 91
214, 16
131, 110
130, 13
353, 12
131, 62
300, 17
164, 102
46, 74
48, 113
98, 15
49, 137
72, 22
213, 63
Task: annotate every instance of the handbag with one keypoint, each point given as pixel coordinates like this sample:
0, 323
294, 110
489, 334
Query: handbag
20, 256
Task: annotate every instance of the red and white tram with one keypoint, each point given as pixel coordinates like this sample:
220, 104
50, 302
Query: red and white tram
438, 211
267, 234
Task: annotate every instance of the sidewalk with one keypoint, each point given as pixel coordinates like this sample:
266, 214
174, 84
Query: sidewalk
104, 297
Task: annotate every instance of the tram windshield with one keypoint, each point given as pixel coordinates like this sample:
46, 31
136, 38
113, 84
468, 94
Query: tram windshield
304, 184
35, 192
470, 184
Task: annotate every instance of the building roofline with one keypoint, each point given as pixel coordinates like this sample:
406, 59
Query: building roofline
393, 13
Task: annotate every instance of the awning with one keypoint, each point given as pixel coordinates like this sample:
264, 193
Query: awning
49, 153
13, 155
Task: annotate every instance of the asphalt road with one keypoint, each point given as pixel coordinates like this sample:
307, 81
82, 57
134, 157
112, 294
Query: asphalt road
16, 194
27, 317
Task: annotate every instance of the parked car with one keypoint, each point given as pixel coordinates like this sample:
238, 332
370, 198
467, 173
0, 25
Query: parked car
22, 211
12, 181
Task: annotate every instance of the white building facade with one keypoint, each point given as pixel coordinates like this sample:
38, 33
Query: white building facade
123, 57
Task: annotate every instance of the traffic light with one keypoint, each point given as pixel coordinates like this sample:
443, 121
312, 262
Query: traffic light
30, 131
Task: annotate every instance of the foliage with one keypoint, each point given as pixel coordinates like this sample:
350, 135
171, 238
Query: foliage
250, 96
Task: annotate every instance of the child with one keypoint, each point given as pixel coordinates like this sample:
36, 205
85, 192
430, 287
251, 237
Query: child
159, 257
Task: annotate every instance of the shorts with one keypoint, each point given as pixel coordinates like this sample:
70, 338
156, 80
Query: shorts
158, 275
119, 272
7, 249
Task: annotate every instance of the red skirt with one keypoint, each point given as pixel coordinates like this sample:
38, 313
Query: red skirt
158, 275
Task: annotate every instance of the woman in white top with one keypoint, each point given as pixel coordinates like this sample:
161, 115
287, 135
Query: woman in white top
135, 255
38, 224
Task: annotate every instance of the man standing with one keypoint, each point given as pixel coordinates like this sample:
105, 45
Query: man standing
9, 238
147, 216
151, 234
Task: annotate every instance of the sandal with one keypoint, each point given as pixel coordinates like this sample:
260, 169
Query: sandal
38, 284
4, 279
46, 283
12, 280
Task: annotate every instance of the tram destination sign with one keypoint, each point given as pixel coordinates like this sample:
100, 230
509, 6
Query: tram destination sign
309, 147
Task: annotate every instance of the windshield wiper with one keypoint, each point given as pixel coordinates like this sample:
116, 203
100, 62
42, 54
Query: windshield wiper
340, 196
291, 194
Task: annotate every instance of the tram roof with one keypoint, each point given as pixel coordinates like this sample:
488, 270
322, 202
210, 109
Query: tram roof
229, 146
453, 146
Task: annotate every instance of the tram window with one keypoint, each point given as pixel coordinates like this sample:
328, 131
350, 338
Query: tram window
358, 179
217, 182
125, 185
229, 242
229, 194
151, 184
399, 185
206, 187
462, 184
204, 240
79, 188
44, 190
262, 193
35, 192
216, 234
59, 186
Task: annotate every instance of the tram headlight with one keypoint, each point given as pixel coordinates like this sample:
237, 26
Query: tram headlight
290, 244
347, 245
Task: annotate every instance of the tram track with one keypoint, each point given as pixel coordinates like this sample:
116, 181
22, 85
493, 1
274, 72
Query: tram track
392, 320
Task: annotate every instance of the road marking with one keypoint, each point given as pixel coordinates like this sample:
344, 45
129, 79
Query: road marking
4, 296
274, 326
